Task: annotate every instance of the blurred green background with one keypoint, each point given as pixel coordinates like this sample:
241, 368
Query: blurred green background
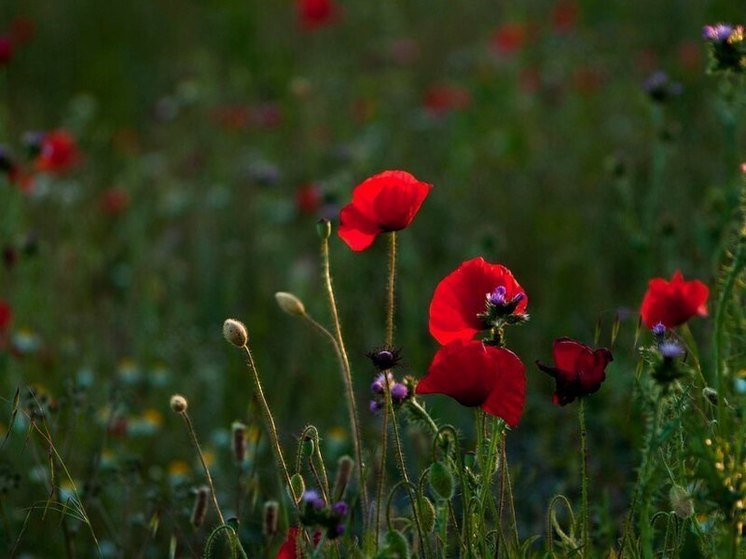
230, 129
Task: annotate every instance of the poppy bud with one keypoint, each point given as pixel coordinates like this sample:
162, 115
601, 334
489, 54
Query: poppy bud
711, 395
179, 404
397, 544
681, 502
427, 514
441, 480
200, 506
238, 439
235, 332
290, 304
344, 473
297, 487
269, 519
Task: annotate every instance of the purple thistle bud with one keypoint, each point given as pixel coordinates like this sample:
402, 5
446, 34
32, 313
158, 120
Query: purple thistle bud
497, 297
375, 406
384, 358
377, 386
399, 392
313, 498
671, 350
717, 33
340, 508
336, 531
659, 330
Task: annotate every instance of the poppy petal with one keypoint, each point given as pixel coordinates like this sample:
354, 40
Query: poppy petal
674, 302
474, 374
355, 229
460, 297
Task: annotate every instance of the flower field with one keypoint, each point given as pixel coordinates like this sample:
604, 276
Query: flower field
335, 278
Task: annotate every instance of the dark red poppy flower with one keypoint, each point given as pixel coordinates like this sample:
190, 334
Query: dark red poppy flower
565, 15
578, 370
6, 317
384, 202
463, 296
22, 29
6, 49
58, 152
114, 201
672, 303
475, 374
289, 549
316, 13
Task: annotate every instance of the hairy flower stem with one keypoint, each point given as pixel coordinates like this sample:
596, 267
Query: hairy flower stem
390, 290
269, 421
584, 478
647, 468
381, 469
347, 374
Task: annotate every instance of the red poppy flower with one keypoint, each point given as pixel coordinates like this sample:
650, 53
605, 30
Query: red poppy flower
481, 375
114, 201
385, 202
673, 302
461, 298
289, 549
58, 152
565, 15
316, 13
308, 198
578, 370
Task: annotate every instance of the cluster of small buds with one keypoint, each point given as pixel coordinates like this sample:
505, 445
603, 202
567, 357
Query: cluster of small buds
727, 47
500, 310
399, 391
661, 88
316, 512
670, 350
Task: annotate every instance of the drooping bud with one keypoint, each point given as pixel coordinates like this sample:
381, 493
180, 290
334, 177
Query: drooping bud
290, 304
199, 510
270, 518
238, 441
441, 480
396, 544
179, 404
427, 514
344, 473
681, 502
297, 487
235, 332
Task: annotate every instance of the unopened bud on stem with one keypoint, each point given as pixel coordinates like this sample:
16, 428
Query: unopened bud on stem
290, 304
235, 332
179, 404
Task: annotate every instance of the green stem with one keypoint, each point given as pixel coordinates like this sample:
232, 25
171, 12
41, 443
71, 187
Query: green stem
269, 422
647, 468
381, 469
584, 477
198, 448
392, 278
347, 374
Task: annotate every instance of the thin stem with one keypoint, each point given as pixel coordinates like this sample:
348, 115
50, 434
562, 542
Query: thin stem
390, 298
381, 468
346, 373
195, 442
269, 421
584, 477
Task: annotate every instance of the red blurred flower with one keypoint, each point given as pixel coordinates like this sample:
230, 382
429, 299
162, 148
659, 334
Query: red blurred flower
509, 37
672, 303
316, 13
289, 548
58, 152
578, 370
565, 15
308, 199
114, 201
461, 298
6, 317
442, 98
384, 202
475, 374
6, 49
22, 29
